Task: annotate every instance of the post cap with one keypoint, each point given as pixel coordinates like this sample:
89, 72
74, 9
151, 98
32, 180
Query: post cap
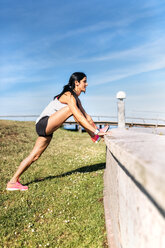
121, 95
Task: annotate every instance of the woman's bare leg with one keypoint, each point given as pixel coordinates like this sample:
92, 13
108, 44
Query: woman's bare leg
54, 122
40, 146
57, 119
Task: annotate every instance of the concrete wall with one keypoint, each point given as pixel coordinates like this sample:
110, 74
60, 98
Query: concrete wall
134, 192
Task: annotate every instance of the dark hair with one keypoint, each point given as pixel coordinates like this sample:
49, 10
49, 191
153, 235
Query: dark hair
76, 76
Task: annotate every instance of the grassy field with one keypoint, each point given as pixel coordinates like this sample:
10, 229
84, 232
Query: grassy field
64, 204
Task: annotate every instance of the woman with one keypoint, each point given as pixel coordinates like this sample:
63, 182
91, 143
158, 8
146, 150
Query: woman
54, 115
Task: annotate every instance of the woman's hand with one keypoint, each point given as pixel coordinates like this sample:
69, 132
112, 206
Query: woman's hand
101, 134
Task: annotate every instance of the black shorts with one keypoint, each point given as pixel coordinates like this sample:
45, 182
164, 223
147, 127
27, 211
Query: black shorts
41, 127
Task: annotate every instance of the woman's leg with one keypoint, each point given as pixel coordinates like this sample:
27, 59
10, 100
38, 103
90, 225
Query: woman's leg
42, 143
57, 119
40, 146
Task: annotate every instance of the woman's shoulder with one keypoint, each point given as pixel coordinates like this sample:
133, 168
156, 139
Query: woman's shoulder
67, 93
67, 97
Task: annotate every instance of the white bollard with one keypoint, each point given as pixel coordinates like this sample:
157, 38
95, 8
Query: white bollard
121, 109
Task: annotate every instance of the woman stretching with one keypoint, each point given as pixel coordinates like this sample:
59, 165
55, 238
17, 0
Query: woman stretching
54, 115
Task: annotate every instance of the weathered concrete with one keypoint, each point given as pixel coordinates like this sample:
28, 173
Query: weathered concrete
134, 193
121, 109
121, 114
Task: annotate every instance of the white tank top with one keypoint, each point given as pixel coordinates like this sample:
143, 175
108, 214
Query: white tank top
51, 108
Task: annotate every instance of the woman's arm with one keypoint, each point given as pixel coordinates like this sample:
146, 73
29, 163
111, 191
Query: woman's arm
79, 115
88, 117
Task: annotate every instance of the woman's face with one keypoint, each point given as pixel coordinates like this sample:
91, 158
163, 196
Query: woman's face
83, 84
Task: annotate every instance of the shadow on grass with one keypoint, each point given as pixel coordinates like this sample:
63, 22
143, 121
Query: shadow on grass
84, 169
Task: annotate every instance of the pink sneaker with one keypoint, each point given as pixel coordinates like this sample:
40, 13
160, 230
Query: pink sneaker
104, 129
96, 138
16, 186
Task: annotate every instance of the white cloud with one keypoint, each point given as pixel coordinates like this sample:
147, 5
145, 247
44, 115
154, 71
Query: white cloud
148, 50
7, 82
114, 75
145, 58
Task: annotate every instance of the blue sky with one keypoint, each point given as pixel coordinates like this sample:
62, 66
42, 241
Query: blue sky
120, 45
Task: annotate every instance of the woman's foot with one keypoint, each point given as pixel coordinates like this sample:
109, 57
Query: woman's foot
96, 138
16, 186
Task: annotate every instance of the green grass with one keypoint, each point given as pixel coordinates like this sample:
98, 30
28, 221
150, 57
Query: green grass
63, 206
